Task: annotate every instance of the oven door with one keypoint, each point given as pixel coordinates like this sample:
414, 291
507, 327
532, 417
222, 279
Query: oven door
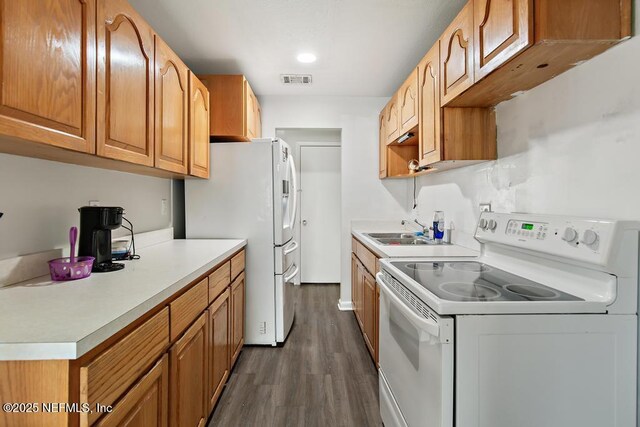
416, 360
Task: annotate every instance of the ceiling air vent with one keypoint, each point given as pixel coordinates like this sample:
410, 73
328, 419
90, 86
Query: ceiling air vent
296, 79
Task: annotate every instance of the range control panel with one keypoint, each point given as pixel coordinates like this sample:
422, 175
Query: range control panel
581, 239
527, 230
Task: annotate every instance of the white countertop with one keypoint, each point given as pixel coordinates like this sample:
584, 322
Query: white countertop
41, 319
411, 251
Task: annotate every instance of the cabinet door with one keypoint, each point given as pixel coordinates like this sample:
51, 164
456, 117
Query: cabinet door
359, 293
237, 316
377, 326
125, 84
382, 146
369, 311
146, 404
354, 285
218, 347
502, 29
408, 103
251, 108
47, 72
171, 112
199, 163
430, 111
456, 57
188, 398
258, 120
391, 121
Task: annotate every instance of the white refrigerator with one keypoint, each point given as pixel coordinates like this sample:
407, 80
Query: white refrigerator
251, 194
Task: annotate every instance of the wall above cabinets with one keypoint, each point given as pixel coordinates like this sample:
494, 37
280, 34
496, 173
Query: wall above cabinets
90, 83
236, 115
491, 51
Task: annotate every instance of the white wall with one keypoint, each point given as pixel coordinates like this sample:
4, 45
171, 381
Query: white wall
570, 146
40, 201
364, 196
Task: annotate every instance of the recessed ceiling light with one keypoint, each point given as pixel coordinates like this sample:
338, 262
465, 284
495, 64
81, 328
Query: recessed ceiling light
306, 58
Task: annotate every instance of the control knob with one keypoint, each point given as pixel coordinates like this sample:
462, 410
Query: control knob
589, 237
492, 224
570, 234
483, 224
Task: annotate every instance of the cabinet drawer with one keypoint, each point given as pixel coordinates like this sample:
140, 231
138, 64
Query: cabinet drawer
237, 264
187, 307
354, 245
146, 404
219, 280
367, 258
105, 378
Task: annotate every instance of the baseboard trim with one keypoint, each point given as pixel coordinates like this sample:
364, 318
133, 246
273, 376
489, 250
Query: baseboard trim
345, 305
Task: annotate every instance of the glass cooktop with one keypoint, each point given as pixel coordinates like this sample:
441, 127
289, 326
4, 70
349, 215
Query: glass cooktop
474, 281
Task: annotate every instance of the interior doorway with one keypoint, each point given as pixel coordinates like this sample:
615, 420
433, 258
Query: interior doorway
320, 212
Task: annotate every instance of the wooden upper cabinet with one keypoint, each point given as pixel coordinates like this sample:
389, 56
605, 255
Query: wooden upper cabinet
171, 112
188, 402
125, 84
235, 111
502, 29
250, 111
382, 146
47, 72
258, 120
391, 122
430, 138
520, 44
408, 103
199, 157
457, 56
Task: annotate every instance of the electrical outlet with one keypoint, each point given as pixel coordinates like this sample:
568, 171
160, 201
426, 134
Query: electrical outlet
485, 207
94, 202
263, 328
164, 206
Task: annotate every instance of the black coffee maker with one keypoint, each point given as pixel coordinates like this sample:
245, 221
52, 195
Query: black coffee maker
96, 223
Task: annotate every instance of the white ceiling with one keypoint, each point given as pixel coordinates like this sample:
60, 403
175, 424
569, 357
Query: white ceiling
364, 47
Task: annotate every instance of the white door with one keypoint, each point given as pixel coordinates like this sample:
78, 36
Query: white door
320, 214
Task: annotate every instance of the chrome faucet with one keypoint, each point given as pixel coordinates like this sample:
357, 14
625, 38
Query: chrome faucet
425, 229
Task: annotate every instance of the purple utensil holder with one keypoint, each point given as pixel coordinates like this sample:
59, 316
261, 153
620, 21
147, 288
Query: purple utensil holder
62, 269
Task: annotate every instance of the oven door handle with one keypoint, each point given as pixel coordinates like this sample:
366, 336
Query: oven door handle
427, 327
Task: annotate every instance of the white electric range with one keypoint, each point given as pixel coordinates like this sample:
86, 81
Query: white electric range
539, 330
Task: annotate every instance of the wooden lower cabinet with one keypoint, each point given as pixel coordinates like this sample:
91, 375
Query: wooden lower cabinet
167, 369
237, 317
146, 404
369, 311
188, 360
365, 297
218, 316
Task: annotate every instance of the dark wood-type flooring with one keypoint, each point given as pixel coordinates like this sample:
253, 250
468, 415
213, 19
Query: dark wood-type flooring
322, 376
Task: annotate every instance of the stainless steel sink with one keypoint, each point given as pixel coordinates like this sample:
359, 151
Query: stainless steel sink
408, 241
377, 236
400, 239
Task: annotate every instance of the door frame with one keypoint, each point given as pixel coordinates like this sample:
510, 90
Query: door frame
301, 145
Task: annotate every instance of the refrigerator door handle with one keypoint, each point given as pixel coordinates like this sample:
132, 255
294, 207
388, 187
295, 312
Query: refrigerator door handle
294, 182
288, 277
291, 247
